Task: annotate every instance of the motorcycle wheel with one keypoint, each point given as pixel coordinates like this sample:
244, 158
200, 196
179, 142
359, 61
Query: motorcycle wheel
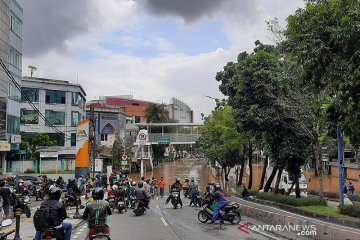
120, 210
202, 216
36, 198
236, 219
28, 212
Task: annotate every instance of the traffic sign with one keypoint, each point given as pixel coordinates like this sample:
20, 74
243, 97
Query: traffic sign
164, 141
142, 136
124, 157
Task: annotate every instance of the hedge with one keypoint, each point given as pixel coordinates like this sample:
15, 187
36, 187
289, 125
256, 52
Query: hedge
354, 198
351, 210
289, 200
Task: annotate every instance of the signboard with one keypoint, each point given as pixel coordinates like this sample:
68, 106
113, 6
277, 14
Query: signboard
82, 144
142, 137
163, 141
5, 146
15, 138
123, 163
98, 165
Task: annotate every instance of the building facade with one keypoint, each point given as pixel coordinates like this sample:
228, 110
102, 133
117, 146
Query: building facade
62, 104
180, 111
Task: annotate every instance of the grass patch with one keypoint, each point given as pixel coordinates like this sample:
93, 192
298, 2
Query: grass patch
289, 200
252, 192
325, 210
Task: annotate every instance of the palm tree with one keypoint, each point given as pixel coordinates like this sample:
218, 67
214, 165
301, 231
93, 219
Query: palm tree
156, 113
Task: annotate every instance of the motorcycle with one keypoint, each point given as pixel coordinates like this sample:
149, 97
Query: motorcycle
229, 213
99, 232
139, 208
69, 200
6, 223
111, 201
175, 194
39, 192
23, 202
186, 192
52, 234
132, 201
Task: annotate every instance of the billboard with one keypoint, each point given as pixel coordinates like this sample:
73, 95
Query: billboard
82, 144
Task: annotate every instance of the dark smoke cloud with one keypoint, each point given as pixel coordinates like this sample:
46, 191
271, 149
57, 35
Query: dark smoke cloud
48, 24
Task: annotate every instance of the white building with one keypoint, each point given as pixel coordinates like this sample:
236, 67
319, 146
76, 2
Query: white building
180, 111
62, 104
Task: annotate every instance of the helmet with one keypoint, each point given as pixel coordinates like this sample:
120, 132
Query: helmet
147, 180
186, 179
192, 180
98, 193
178, 180
134, 183
218, 195
124, 183
114, 187
54, 193
217, 187
140, 184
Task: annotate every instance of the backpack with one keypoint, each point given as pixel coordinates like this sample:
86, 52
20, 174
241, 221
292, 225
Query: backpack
41, 218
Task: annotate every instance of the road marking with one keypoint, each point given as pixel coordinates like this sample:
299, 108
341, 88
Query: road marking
164, 222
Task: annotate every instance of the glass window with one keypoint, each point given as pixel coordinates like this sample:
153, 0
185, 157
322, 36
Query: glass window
58, 137
75, 119
75, 98
31, 93
15, 58
16, 26
137, 119
29, 116
103, 137
14, 93
13, 124
53, 96
73, 139
54, 117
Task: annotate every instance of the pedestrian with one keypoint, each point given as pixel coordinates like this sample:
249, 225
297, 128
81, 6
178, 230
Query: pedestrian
5, 193
245, 193
351, 188
345, 189
162, 184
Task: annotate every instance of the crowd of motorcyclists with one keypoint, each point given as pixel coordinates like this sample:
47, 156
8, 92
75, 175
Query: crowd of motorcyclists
122, 194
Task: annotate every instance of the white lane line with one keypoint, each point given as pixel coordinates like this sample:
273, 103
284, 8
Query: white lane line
164, 222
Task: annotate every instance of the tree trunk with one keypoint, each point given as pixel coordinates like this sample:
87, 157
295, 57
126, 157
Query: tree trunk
226, 171
270, 179
241, 171
263, 173
237, 171
315, 166
297, 188
250, 165
291, 188
321, 181
276, 191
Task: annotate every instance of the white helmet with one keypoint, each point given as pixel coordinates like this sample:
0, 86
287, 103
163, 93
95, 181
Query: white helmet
114, 187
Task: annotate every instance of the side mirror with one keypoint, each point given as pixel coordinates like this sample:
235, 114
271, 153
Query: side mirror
6, 223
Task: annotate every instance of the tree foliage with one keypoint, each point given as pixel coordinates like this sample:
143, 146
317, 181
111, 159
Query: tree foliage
156, 113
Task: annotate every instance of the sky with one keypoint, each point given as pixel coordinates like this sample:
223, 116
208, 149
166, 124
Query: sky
153, 49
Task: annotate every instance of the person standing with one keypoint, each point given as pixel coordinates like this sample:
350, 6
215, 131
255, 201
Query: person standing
162, 184
5, 193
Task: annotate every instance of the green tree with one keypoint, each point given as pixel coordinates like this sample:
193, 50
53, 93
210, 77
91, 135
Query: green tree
39, 140
220, 140
117, 152
156, 113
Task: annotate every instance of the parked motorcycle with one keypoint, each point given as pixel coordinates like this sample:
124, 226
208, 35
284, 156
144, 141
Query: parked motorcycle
175, 194
229, 213
139, 208
39, 192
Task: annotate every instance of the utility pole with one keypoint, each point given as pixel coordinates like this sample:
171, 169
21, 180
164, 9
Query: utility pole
92, 140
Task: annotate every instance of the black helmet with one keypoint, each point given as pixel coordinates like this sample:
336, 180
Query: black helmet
140, 184
54, 193
217, 187
217, 195
178, 180
98, 193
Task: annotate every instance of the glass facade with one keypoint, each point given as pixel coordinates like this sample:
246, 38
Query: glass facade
31, 93
13, 125
55, 117
75, 118
15, 58
29, 116
53, 96
2, 117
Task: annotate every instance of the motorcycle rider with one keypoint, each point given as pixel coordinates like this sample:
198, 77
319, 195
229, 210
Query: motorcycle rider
154, 186
96, 213
57, 213
175, 187
221, 202
142, 195
186, 186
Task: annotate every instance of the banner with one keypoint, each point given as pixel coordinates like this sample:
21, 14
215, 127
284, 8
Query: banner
82, 144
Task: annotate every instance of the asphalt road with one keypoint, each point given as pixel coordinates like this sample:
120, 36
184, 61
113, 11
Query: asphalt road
164, 222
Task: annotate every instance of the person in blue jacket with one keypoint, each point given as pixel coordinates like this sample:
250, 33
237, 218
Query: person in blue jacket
221, 202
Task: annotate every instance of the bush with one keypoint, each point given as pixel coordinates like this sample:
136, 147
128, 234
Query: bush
354, 198
289, 200
351, 210
252, 192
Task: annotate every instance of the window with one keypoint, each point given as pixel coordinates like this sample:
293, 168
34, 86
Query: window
75, 98
13, 124
54, 117
14, 93
58, 137
16, 26
137, 119
75, 118
73, 139
103, 137
29, 116
15, 58
53, 96
31, 93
